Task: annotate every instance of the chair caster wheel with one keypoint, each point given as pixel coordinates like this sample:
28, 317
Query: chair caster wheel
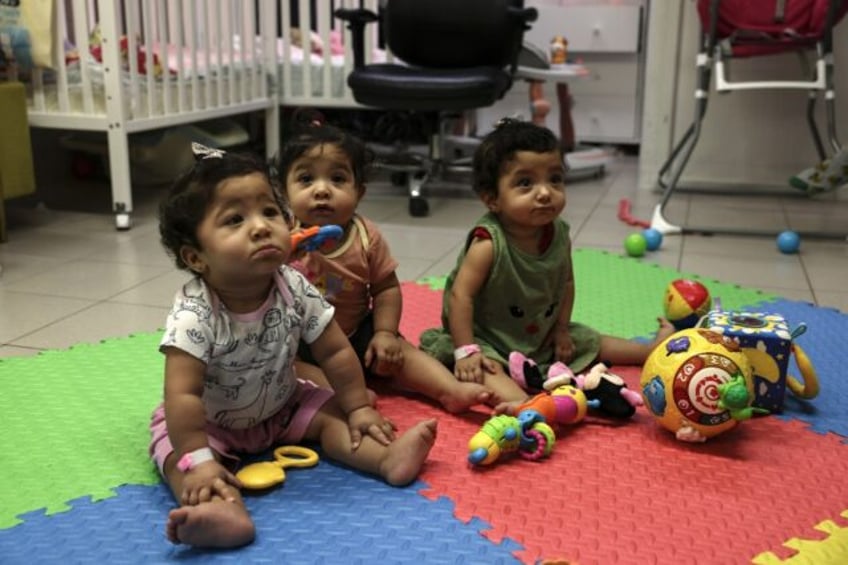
123, 222
399, 179
418, 206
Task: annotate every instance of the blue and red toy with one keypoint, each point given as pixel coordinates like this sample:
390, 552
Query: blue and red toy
313, 237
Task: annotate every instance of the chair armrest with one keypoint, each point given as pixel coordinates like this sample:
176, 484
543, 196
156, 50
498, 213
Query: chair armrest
356, 19
525, 16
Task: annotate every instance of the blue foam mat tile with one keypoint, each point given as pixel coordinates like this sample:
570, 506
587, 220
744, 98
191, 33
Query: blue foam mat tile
824, 342
327, 514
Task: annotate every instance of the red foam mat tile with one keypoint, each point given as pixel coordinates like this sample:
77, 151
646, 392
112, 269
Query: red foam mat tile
630, 493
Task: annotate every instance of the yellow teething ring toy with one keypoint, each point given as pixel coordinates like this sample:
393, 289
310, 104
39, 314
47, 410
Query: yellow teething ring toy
810, 387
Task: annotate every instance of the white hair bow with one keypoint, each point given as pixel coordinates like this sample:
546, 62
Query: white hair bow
202, 152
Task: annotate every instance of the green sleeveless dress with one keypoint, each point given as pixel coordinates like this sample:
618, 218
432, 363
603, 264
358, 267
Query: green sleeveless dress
518, 305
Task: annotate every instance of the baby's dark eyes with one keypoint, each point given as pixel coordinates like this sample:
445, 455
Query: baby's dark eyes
550, 310
516, 311
233, 220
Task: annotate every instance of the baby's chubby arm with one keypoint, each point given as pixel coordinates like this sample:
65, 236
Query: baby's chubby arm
339, 362
470, 278
186, 419
560, 334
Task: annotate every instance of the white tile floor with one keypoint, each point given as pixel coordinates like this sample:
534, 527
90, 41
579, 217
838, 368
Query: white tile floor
69, 277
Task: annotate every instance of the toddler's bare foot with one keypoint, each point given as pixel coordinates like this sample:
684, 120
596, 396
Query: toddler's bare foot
509, 408
406, 454
217, 523
464, 395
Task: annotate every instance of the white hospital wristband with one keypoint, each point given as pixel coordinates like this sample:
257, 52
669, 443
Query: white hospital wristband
194, 458
464, 351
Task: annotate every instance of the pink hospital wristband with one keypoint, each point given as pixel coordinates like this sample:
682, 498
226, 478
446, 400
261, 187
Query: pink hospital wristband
464, 351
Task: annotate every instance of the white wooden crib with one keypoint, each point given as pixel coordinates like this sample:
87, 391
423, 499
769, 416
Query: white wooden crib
195, 60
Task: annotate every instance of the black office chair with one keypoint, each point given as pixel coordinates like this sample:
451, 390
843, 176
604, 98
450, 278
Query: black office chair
455, 55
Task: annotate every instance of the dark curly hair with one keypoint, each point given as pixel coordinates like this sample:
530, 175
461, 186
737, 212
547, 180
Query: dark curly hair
501, 144
182, 210
309, 129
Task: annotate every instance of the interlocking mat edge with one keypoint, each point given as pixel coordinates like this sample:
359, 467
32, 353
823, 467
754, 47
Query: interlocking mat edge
74, 435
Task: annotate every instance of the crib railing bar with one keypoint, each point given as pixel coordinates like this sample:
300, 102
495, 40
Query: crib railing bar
78, 10
268, 43
228, 34
162, 41
235, 44
219, 78
146, 9
207, 27
268, 19
324, 17
61, 69
131, 32
177, 42
192, 44
347, 41
244, 66
253, 53
286, 37
304, 11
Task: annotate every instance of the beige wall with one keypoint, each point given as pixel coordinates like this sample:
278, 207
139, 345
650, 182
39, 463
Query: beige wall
748, 138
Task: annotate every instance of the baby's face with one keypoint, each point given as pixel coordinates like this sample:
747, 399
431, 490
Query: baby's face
531, 189
244, 233
321, 187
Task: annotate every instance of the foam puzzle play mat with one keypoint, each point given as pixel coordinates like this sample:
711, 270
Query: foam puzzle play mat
770, 489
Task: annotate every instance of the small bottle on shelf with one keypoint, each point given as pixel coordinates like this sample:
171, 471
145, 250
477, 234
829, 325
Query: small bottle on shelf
559, 50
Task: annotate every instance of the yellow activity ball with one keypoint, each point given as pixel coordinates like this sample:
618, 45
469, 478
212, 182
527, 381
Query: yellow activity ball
685, 302
682, 382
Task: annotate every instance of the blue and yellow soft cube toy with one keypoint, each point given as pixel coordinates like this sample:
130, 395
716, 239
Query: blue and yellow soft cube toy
768, 342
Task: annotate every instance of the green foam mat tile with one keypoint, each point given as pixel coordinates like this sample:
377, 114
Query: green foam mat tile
76, 422
609, 285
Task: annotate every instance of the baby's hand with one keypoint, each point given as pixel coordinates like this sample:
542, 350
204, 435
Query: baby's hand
470, 369
563, 345
206, 480
366, 420
384, 355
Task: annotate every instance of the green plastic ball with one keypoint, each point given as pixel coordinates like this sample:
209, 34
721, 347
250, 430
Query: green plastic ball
635, 244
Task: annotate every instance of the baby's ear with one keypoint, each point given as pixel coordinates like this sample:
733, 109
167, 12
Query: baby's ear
490, 200
192, 259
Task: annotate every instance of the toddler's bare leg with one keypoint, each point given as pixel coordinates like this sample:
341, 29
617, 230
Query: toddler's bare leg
425, 375
398, 463
216, 523
618, 351
505, 389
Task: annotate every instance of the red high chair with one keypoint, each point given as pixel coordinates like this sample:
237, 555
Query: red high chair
750, 28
